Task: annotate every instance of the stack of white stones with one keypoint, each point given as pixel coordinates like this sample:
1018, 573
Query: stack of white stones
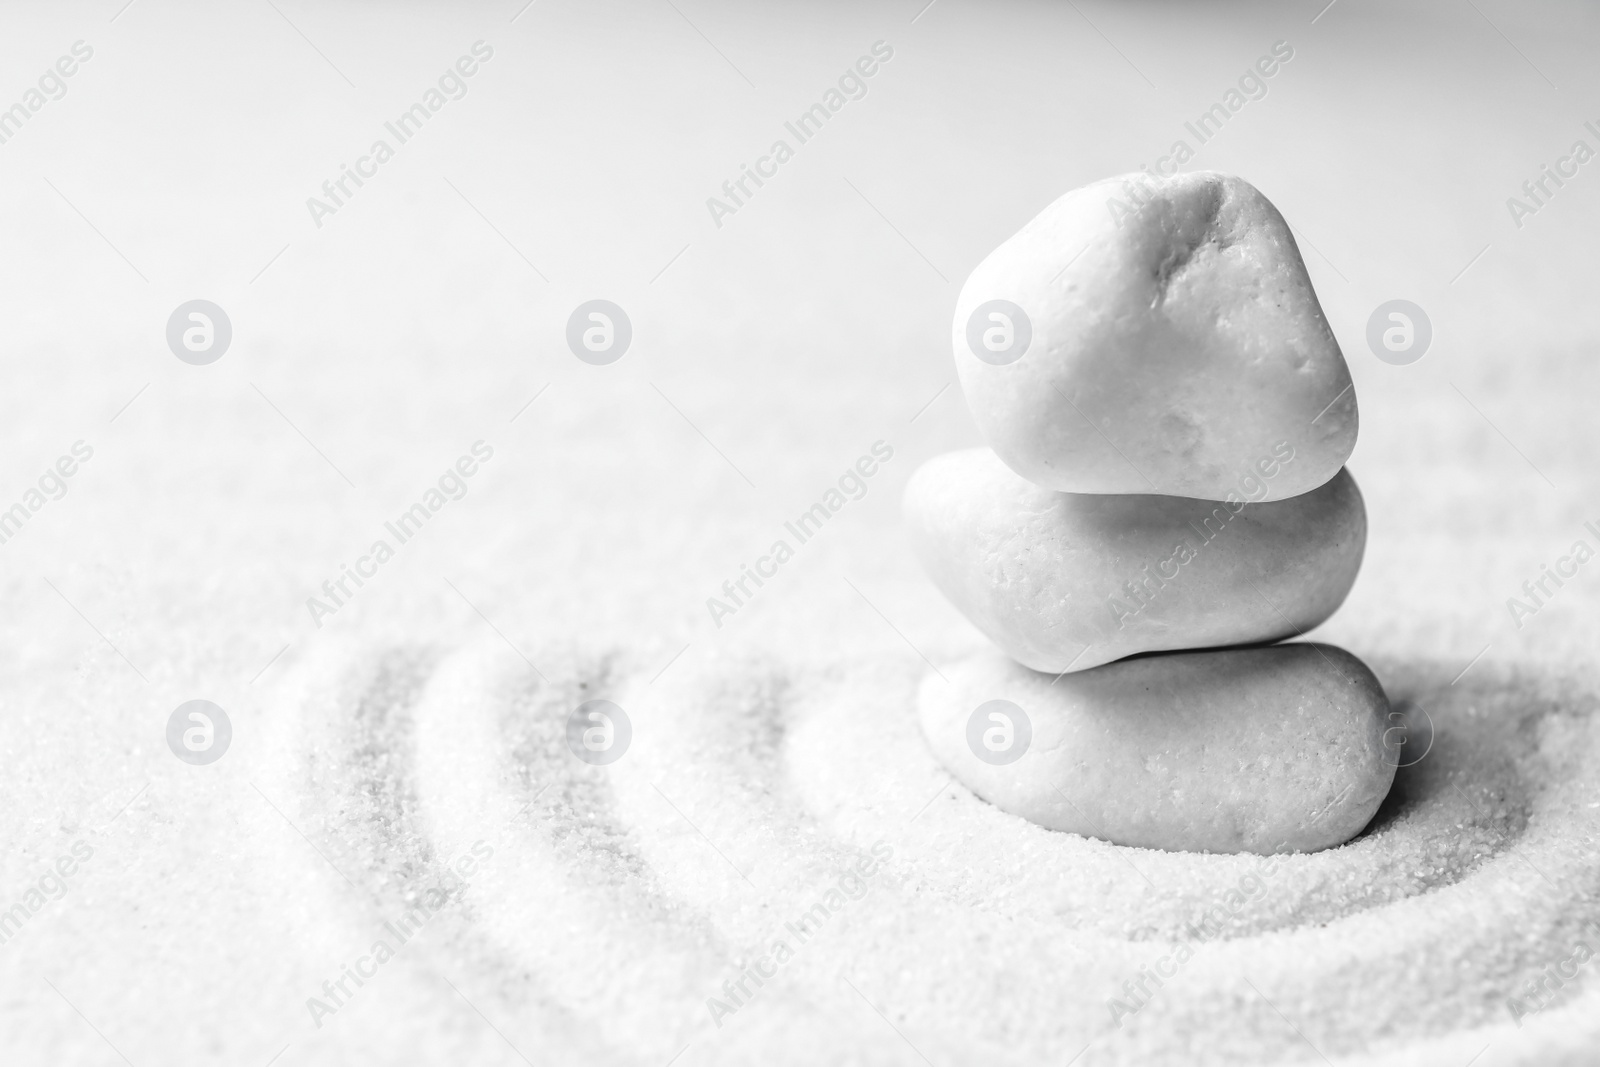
1169, 415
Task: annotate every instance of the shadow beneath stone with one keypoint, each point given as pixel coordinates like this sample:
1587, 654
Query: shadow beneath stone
1476, 742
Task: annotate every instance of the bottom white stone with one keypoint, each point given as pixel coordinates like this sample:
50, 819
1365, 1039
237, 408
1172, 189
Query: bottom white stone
1280, 749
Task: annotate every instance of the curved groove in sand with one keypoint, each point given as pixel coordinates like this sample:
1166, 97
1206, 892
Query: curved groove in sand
621, 898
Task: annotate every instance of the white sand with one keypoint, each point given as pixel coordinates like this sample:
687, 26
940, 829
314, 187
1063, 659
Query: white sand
221, 898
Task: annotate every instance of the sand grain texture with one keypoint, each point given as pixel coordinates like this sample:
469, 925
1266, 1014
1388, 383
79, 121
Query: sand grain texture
770, 754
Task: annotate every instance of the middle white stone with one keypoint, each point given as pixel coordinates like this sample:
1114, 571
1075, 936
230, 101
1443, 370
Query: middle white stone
1071, 580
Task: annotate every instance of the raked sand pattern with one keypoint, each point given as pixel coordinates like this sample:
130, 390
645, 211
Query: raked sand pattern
628, 910
370, 757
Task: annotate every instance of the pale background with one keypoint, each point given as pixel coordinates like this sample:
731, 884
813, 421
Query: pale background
811, 324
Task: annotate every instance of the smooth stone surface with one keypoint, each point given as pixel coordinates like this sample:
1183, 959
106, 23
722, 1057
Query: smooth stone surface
1171, 345
1064, 580
1259, 750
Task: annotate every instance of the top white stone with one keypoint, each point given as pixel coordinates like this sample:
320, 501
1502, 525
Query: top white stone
1153, 336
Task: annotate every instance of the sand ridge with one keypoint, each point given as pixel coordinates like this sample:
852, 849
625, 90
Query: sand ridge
623, 900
